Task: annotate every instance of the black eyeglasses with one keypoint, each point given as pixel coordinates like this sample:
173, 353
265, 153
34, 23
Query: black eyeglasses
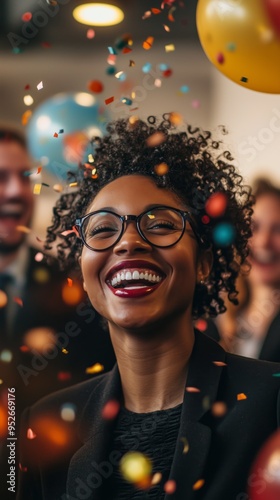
160, 226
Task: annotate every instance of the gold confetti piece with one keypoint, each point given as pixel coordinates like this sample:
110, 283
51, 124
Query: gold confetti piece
26, 117
23, 229
90, 158
73, 184
18, 301
30, 434
96, 368
69, 282
156, 478
186, 444
65, 351
219, 409
131, 63
155, 139
161, 168
148, 43
1, 381
37, 188
170, 47
219, 363
192, 389
241, 396
198, 484
147, 14
3, 299
135, 466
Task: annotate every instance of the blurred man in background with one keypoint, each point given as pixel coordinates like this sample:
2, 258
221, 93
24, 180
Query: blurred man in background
50, 336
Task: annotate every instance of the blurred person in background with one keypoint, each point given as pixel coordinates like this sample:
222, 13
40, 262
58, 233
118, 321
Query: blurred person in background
49, 333
253, 327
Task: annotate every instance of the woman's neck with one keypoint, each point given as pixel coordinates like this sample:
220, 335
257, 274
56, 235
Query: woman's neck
153, 367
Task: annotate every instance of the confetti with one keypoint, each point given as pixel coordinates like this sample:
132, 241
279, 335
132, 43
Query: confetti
31, 434
195, 103
95, 86
156, 11
135, 466
219, 363
157, 477
201, 325
157, 82
118, 75
68, 412
220, 58
23, 229
131, 63
37, 188
61, 131
147, 14
96, 368
184, 89
63, 376
28, 100
40, 86
126, 100
155, 139
69, 282
224, 234
192, 389
6, 356
166, 28
175, 118
170, 487
64, 351
219, 409
146, 67
90, 34
148, 43
27, 87
39, 170
216, 205
73, 184
55, 134
18, 301
170, 14
205, 219
3, 299
198, 484
111, 410
58, 188
241, 396
161, 168
168, 72
68, 231
27, 16
24, 348
244, 79
112, 51
111, 59
26, 117
186, 445
109, 100
170, 47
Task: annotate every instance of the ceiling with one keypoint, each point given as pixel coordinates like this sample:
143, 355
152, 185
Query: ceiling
59, 28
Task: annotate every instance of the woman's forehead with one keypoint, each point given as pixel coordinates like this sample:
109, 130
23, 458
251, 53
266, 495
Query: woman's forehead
135, 191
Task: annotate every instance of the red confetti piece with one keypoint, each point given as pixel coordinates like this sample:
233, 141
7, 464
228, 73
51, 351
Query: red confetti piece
24, 348
18, 301
219, 409
219, 363
27, 16
109, 100
46, 45
201, 325
22, 467
192, 389
241, 396
170, 487
220, 58
27, 87
31, 434
126, 50
95, 86
39, 170
167, 73
156, 11
205, 219
63, 376
216, 205
55, 134
69, 282
111, 410
90, 34
195, 104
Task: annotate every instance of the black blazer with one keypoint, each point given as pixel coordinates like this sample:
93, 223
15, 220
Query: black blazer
221, 449
270, 350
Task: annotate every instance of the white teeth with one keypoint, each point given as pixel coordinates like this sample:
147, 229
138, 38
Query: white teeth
135, 275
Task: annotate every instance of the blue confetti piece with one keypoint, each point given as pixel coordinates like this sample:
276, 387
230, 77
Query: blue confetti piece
126, 100
112, 51
223, 234
163, 66
184, 89
147, 67
111, 70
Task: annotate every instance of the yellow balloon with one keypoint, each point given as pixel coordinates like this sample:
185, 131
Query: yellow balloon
237, 37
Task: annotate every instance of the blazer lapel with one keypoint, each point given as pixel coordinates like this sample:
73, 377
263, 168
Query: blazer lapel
84, 479
194, 437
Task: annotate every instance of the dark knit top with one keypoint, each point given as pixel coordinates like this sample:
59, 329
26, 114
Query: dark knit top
153, 434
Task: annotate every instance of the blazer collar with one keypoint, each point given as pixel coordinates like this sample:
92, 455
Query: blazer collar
188, 466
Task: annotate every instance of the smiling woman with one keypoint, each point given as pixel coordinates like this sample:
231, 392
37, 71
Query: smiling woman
175, 401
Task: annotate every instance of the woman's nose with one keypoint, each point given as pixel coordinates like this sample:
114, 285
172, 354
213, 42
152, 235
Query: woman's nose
131, 241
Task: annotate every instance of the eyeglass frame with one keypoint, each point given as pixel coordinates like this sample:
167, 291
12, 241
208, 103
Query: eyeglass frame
185, 215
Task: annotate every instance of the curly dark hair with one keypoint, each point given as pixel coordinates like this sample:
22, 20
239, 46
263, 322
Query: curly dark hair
196, 169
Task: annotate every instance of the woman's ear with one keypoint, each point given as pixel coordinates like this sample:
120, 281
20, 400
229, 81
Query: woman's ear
204, 264
84, 285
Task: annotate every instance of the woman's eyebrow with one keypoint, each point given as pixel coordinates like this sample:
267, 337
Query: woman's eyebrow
146, 208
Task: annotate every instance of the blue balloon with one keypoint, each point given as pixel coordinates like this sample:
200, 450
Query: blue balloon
60, 130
